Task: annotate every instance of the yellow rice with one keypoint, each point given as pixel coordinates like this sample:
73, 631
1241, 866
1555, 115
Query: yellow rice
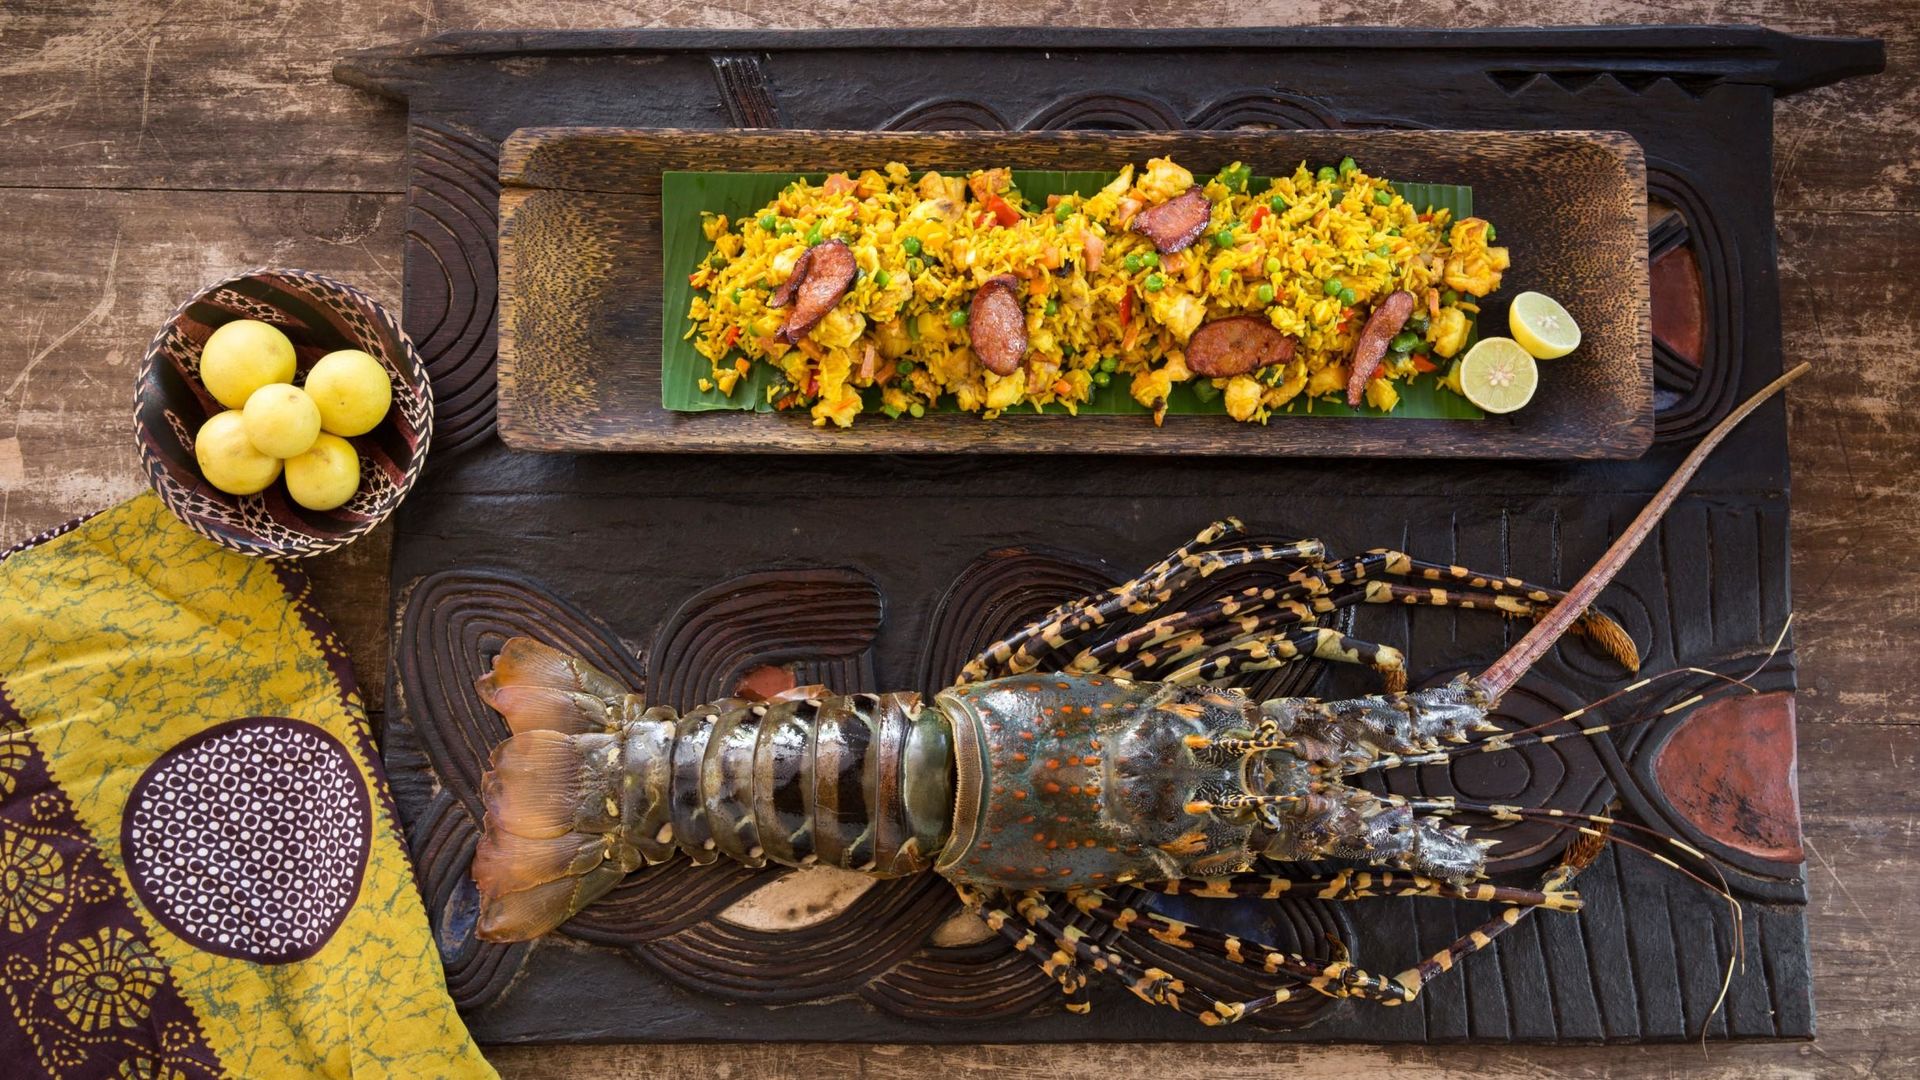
1102, 305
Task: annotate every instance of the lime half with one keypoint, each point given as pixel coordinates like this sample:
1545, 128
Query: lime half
1498, 375
1542, 326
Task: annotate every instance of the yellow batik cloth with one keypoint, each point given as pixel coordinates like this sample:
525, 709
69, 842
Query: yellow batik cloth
201, 873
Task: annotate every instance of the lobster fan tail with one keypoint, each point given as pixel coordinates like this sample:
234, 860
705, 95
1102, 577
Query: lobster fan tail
550, 843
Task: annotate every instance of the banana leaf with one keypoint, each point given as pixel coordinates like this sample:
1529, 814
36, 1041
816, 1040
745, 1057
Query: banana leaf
686, 196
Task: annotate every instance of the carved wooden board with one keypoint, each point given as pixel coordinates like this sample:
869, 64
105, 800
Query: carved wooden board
581, 317
688, 571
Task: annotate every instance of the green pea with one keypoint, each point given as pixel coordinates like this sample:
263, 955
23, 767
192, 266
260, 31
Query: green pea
1395, 231
1277, 204
1053, 307
1132, 263
1109, 363
1489, 232
1448, 297
1336, 195
1102, 378
769, 222
1332, 286
1383, 197
915, 266
1347, 165
1151, 258
1347, 297
736, 295
892, 413
1264, 294
1404, 341
813, 234
911, 245
1155, 283
1271, 266
786, 229
882, 279
1063, 211
1325, 174
958, 318
904, 367
917, 410
1235, 177
1223, 238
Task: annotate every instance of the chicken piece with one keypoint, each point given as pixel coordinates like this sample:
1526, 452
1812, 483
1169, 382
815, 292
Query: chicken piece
1448, 332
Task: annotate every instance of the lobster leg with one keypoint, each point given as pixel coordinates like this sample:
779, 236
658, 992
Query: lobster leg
1061, 965
1252, 610
1596, 626
1366, 884
1333, 978
1248, 654
1357, 580
1152, 985
1025, 648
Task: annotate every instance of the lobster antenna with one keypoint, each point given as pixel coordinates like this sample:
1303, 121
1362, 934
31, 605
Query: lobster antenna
1529, 736
1504, 672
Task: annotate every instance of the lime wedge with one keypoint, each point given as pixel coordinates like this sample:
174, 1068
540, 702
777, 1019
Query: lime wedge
1498, 375
1542, 326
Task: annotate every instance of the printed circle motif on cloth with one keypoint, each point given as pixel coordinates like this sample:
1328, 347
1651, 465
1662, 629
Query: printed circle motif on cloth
249, 839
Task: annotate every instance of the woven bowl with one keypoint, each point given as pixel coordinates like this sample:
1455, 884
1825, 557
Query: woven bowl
319, 315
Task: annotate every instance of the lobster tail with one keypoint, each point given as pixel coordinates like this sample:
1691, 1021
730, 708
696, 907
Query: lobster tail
536, 686
563, 821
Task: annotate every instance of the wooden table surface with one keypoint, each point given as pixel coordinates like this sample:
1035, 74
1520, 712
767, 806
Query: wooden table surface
148, 148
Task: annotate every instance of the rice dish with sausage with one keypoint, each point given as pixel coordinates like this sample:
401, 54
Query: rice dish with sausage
885, 292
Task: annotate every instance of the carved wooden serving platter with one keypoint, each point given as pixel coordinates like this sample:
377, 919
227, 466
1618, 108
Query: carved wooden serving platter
686, 571
581, 313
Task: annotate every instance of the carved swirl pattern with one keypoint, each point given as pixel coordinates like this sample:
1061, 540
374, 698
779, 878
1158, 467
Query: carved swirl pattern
982, 981
1690, 398
818, 623
452, 275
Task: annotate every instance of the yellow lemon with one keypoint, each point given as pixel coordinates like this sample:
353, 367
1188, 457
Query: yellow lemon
242, 357
281, 420
325, 476
1498, 375
352, 390
1542, 326
228, 459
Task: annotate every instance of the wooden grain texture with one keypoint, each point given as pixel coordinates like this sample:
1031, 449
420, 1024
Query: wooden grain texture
205, 115
580, 363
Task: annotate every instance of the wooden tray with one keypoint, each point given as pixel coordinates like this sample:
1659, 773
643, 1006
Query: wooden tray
679, 568
581, 314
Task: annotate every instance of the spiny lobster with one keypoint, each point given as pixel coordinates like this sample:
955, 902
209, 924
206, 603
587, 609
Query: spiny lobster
1054, 772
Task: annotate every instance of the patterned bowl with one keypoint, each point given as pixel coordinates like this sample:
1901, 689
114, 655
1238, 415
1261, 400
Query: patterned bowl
320, 315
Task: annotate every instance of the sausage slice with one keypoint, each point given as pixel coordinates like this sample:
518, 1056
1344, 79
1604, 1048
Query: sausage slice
1175, 224
821, 276
1382, 325
1235, 346
997, 325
